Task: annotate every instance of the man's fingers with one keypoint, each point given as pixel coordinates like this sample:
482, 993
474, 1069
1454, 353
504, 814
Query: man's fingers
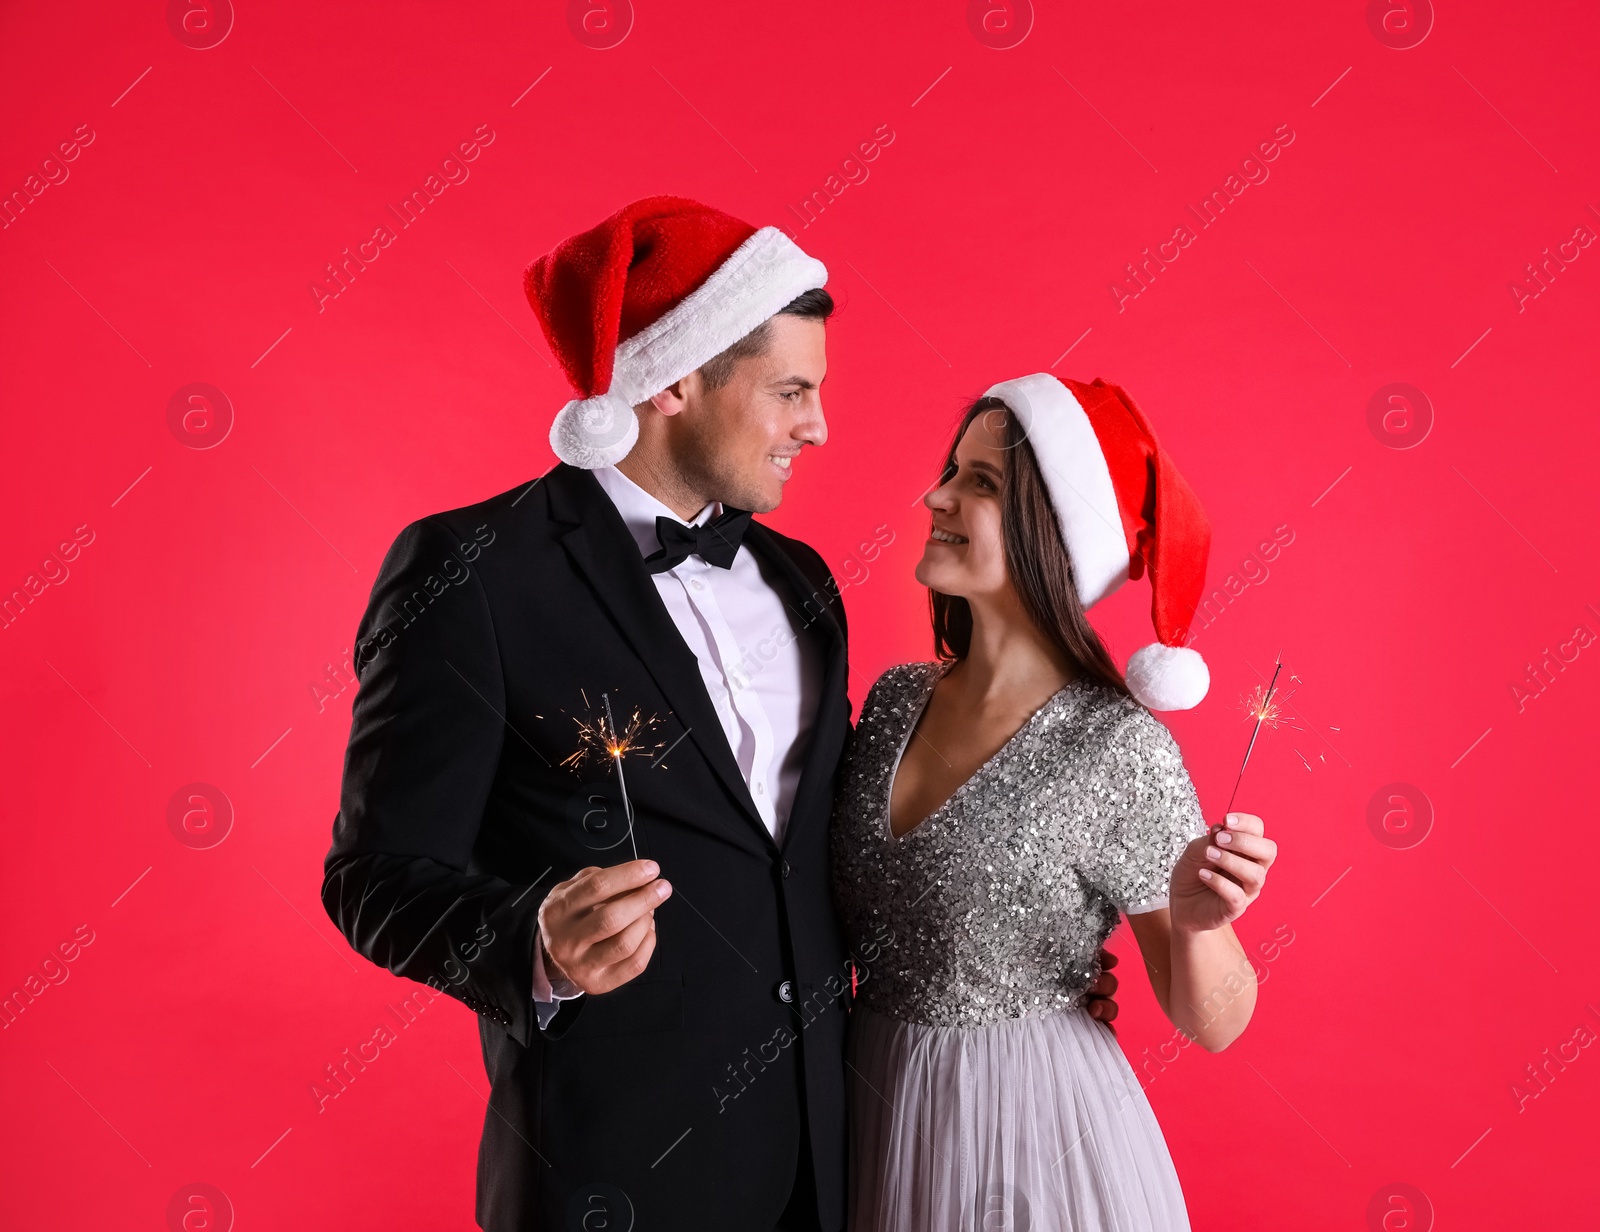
1105, 985
621, 945
1107, 959
610, 917
1103, 1011
619, 973
579, 916
598, 884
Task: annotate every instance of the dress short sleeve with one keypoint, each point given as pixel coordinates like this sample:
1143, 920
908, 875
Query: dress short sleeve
1145, 812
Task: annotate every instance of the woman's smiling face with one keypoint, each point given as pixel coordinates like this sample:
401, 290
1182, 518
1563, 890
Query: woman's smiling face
965, 550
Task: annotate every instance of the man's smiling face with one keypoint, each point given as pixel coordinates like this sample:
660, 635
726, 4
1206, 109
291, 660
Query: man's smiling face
737, 442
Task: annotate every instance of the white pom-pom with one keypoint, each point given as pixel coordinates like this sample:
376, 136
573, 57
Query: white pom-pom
1167, 677
594, 432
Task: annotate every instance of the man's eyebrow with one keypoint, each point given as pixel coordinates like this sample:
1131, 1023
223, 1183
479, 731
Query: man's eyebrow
802, 382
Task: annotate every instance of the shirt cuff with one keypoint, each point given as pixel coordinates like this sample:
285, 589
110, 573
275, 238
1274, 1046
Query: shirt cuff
548, 994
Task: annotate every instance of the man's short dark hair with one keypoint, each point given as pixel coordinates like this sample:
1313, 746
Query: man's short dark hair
814, 305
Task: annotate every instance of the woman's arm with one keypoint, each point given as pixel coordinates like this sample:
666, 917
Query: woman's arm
1200, 973
1203, 981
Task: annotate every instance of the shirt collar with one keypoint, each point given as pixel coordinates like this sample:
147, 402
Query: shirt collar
639, 509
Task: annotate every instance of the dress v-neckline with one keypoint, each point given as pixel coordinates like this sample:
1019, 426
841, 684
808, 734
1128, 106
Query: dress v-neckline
911, 730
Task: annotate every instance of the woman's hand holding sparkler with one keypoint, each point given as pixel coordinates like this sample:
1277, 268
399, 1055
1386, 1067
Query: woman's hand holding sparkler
1221, 874
1218, 876
598, 927
1201, 975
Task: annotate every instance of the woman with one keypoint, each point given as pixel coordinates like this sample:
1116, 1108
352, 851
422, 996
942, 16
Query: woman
1001, 806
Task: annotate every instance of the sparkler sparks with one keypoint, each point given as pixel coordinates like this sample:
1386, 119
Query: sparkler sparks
1263, 706
1267, 704
601, 738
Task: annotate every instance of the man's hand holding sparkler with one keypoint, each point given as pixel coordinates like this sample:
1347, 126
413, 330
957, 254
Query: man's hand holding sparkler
598, 927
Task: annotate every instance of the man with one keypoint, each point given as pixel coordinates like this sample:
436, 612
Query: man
663, 1035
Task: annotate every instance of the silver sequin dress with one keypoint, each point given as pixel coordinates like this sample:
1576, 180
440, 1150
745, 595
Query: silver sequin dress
983, 1096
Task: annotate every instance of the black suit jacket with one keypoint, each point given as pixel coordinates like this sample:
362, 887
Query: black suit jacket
681, 1095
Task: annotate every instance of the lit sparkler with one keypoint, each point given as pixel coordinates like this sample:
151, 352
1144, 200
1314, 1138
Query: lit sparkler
1261, 704
602, 738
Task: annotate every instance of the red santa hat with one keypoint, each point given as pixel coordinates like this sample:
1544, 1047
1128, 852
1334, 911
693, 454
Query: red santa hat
1123, 508
644, 299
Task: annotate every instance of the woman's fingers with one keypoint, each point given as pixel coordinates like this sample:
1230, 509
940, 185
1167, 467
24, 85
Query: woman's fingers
1229, 891
1251, 846
1234, 858
1247, 873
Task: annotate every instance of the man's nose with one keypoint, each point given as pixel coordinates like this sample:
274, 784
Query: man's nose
813, 429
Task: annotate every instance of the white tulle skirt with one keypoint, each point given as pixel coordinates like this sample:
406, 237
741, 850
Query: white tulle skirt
1034, 1125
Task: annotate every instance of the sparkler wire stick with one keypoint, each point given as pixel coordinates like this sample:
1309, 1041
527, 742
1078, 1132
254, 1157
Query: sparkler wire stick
1261, 713
616, 746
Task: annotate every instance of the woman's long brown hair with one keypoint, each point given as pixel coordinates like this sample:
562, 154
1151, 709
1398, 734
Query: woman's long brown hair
1036, 560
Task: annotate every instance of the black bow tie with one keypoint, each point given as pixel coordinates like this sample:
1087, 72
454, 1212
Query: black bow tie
717, 542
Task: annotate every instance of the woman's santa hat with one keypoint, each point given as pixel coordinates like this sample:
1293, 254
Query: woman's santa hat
1122, 508
644, 299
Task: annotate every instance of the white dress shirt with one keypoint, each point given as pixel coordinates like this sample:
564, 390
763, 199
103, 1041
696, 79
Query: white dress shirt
763, 676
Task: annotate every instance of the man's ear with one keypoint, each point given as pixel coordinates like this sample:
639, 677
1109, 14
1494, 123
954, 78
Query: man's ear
675, 397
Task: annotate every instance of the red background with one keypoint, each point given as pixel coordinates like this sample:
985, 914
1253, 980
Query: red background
223, 584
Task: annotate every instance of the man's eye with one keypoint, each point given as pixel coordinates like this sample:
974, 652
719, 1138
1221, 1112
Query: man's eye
790, 395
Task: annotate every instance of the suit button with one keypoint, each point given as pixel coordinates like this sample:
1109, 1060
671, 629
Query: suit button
786, 992
786, 870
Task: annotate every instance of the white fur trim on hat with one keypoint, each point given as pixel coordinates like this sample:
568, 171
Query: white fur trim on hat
761, 276
1078, 479
1167, 677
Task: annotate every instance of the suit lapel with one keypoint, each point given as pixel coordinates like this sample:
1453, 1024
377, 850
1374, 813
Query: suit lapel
601, 548
808, 604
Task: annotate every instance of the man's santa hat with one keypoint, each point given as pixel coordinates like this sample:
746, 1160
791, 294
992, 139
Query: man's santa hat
1122, 508
644, 299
